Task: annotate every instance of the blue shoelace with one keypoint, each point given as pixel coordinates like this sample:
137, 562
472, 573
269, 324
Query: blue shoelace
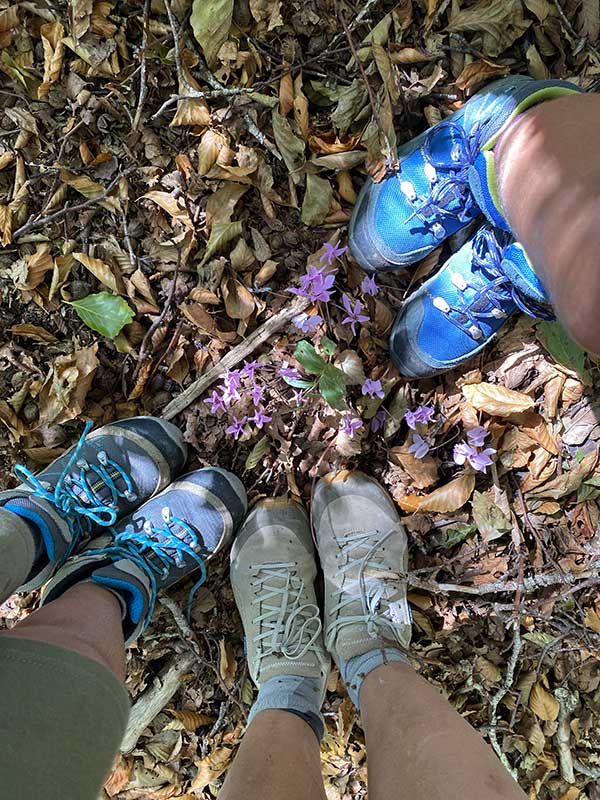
156, 550
76, 495
452, 187
496, 289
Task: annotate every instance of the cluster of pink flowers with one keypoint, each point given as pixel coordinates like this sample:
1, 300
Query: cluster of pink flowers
474, 450
238, 385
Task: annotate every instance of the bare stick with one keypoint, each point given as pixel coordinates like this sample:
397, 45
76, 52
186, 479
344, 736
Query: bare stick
39, 223
563, 733
155, 698
531, 584
234, 356
143, 84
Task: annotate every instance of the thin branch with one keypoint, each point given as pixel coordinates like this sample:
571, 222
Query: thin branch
143, 82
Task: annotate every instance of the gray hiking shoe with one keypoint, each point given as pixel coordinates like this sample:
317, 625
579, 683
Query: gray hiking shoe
165, 540
103, 477
363, 550
273, 571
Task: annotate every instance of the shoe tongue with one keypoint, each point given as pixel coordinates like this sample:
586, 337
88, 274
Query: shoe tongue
484, 186
517, 267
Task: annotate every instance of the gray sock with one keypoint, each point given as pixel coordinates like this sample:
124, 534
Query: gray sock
356, 669
17, 552
296, 694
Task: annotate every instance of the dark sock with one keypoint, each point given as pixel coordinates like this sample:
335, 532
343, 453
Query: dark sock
21, 506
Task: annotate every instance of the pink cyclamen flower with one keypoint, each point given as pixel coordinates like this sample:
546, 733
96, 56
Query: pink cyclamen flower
354, 313
289, 372
250, 368
419, 447
298, 397
422, 414
369, 286
257, 393
479, 460
236, 428
316, 284
232, 379
482, 460
332, 251
378, 421
477, 436
216, 402
372, 388
305, 323
260, 418
350, 426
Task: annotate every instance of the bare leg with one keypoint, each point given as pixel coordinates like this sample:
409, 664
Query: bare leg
549, 181
278, 758
86, 619
419, 748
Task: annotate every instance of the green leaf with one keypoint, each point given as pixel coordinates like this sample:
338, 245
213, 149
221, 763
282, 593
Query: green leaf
587, 491
456, 535
306, 354
539, 638
289, 145
328, 346
211, 21
352, 99
560, 345
257, 453
332, 386
221, 233
298, 383
369, 406
317, 200
103, 312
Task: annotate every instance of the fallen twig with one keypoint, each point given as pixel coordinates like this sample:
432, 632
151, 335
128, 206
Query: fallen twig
143, 83
563, 733
234, 356
530, 584
155, 698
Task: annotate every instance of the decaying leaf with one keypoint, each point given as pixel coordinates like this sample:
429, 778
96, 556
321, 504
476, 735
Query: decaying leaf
211, 768
496, 400
99, 269
90, 189
66, 386
52, 34
447, 498
172, 206
211, 21
544, 705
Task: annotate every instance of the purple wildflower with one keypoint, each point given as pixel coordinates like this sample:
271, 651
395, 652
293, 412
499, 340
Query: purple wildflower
315, 284
419, 447
260, 418
230, 395
332, 251
369, 286
354, 314
305, 323
216, 402
477, 436
372, 388
422, 414
298, 397
237, 427
289, 372
378, 420
479, 460
257, 393
250, 368
350, 426
232, 380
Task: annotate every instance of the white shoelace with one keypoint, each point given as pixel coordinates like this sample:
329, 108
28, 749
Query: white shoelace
287, 627
384, 609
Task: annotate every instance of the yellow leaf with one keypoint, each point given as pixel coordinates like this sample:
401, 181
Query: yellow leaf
90, 189
447, 498
6, 159
170, 204
591, 620
543, 704
52, 34
192, 720
211, 767
99, 269
496, 400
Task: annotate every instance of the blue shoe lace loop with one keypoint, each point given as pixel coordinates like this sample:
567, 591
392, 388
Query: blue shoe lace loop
156, 550
496, 290
452, 187
76, 496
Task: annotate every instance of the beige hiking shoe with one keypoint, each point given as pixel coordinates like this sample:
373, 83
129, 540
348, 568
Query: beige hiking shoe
272, 573
363, 550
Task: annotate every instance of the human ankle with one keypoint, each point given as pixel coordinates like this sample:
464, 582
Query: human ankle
357, 669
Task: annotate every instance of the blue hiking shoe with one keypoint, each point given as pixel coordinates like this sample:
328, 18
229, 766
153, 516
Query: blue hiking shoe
165, 540
446, 178
457, 312
109, 472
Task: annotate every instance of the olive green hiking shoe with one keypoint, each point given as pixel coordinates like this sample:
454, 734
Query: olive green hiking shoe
363, 550
273, 571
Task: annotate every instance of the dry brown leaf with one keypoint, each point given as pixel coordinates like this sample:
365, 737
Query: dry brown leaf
301, 108
475, 74
9, 18
496, 400
227, 663
544, 705
175, 208
447, 498
199, 317
90, 189
500, 21
410, 55
6, 216
239, 301
536, 428
211, 144
423, 471
66, 386
286, 93
52, 34
38, 265
16, 429
591, 620
192, 720
43, 455
99, 269
34, 332
266, 272
119, 777
211, 768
